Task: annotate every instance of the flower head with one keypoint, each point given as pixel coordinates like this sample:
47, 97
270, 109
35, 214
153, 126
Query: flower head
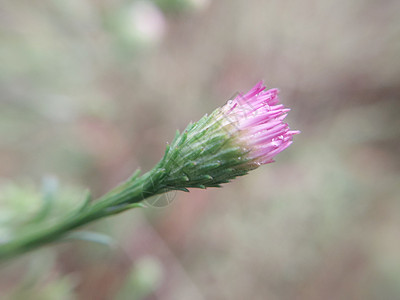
257, 119
245, 133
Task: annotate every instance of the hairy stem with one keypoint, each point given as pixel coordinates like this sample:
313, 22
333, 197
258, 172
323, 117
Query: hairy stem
123, 197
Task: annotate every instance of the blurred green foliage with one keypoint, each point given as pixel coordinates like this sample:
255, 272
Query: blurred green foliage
25, 208
143, 280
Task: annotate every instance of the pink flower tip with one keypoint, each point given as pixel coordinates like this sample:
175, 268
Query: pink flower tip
257, 118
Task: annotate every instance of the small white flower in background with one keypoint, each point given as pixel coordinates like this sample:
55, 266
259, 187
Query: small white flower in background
146, 22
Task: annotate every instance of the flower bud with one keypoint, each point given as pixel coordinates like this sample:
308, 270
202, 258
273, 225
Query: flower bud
245, 133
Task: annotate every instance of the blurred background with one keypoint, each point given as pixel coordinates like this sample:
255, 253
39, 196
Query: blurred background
92, 90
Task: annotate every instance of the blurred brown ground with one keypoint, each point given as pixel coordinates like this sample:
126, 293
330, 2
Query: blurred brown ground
87, 98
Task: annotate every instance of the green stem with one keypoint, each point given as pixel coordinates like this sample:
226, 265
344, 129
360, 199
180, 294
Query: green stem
117, 200
44, 236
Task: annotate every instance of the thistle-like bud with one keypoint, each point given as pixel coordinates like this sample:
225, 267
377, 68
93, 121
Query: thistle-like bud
245, 133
